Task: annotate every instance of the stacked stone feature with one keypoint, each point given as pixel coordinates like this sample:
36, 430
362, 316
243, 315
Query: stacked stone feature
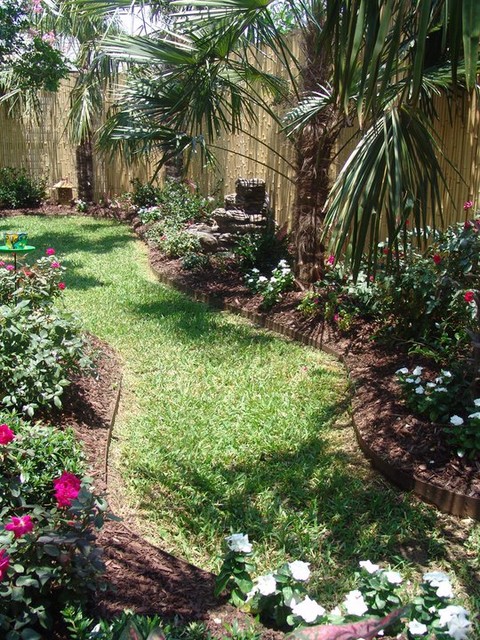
245, 211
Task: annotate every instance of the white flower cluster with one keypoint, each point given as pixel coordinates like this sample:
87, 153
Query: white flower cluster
420, 387
239, 543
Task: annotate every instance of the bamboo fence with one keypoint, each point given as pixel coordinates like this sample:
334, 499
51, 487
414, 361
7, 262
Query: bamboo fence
43, 147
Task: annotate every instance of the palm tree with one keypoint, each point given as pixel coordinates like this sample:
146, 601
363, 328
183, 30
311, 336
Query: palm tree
378, 64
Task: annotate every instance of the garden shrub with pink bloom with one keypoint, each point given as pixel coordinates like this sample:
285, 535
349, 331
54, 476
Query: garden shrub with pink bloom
48, 515
42, 345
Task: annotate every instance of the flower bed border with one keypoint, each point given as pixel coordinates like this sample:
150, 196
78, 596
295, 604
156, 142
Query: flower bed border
447, 501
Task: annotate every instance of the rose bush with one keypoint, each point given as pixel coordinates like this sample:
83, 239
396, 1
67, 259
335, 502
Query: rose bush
48, 556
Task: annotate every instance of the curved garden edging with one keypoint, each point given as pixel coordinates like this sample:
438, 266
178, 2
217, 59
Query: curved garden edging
446, 500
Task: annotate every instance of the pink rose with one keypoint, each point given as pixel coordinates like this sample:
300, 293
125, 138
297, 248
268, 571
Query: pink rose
331, 260
467, 224
50, 251
9, 267
6, 434
469, 296
67, 488
437, 258
55, 265
467, 205
20, 526
4, 563
61, 286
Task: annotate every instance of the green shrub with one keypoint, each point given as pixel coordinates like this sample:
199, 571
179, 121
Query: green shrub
262, 251
19, 189
42, 346
175, 203
144, 195
173, 241
195, 261
47, 553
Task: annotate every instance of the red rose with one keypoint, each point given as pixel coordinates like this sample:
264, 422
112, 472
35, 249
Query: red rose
437, 258
67, 488
469, 296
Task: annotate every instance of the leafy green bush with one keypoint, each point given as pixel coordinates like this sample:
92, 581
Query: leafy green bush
175, 203
262, 251
47, 553
195, 261
144, 195
19, 189
173, 241
41, 345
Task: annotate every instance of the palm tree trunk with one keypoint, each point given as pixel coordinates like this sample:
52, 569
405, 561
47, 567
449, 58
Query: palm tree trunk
85, 175
315, 148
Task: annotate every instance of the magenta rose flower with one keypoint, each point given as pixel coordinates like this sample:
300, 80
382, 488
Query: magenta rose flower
6, 434
467, 205
20, 526
61, 286
50, 251
4, 563
67, 488
469, 296
437, 258
9, 267
55, 265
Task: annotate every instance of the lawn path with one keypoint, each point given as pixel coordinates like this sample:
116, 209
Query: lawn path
224, 427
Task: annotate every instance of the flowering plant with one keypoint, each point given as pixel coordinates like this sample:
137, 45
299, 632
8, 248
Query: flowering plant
464, 433
47, 551
281, 596
271, 289
236, 570
434, 398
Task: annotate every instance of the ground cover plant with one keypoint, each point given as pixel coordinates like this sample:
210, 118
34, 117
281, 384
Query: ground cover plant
226, 428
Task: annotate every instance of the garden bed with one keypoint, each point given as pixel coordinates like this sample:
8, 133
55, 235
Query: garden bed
413, 453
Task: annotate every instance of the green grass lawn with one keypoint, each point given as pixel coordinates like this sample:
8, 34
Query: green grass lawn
225, 428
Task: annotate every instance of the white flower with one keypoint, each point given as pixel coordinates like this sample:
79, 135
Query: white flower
239, 542
369, 566
456, 420
355, 604
446, 374
308, 609
273, 279
335, 611
418, 380
255, 271
420, 390
460, 453
477, 402
438, 380
393, 577
410, 380
441, 581
455, 618
262, 279
441, 389
417, 371
417, 628
266, 584
475, 416
283, 264
431, 385
299, 570
403, 370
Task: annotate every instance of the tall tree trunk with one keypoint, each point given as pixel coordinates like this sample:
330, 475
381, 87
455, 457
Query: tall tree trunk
84, 162
315, 147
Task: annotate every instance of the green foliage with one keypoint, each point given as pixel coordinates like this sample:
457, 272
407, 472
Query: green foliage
262, 251
196, 262
47, 546
19, 189
42, 346
175, 202
271, 289
40, 66
173, 241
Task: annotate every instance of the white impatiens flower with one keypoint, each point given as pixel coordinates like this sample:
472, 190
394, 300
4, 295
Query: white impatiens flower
308, 609
456, 421
410, 380
403, 371
299, 570
439, 380
393, 577
476, 402
441, 581
369, 566
446, 374
263, 279
417, 371
239, 542
475, 416
455, 618
355, 604
266, 584
420, 390
417, 628
431, 385
441, 389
